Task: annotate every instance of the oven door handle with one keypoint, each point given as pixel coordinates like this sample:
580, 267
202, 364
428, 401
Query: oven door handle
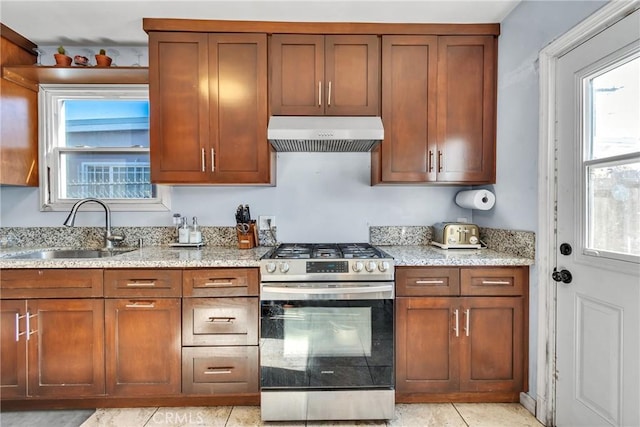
325, 291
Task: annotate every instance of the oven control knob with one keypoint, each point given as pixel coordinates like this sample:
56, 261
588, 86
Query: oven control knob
357, 266
383, 266
270, 267
284, 267
370, 266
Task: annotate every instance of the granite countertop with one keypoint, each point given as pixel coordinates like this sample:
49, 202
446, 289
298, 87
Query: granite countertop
221, 256
433, 256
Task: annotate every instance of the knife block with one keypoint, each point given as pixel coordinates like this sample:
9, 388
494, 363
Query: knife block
248, 240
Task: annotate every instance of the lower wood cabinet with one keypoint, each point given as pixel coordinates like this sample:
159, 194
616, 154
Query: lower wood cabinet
218, 370
52, 348
453, 347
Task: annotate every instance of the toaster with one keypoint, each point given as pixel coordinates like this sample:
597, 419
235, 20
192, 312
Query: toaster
452, 235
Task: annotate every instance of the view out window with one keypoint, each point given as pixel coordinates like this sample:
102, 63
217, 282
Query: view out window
96, 144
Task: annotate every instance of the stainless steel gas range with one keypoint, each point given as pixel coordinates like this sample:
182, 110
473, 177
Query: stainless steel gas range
326, 343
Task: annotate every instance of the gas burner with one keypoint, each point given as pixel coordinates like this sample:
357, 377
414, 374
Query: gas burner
292, 251
326, 251
358, 250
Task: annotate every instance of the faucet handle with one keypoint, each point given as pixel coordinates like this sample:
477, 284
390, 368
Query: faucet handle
115, 238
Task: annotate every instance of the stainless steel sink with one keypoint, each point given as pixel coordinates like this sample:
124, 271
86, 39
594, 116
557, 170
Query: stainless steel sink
68, 254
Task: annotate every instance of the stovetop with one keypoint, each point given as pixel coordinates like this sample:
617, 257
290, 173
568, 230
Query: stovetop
326, 251
300, 262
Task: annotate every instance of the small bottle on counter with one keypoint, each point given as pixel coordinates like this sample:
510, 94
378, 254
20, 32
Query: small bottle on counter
195, 235
183, 232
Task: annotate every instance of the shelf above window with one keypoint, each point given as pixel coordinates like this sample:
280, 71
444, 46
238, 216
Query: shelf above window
31, 76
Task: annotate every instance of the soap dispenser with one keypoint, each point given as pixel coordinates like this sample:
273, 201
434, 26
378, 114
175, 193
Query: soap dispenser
195, 236
183, 232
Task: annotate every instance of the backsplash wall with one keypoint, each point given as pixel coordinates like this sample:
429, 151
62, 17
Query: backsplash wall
318, 197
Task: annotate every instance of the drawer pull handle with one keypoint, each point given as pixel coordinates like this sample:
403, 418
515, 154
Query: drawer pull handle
429, 282
218, 371
214, 282
496, 282
221, 319
141, 283
141, 304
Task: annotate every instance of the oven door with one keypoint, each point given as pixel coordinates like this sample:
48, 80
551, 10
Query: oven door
326, 336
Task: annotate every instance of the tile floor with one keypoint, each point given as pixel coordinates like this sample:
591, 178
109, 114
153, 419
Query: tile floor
418, 415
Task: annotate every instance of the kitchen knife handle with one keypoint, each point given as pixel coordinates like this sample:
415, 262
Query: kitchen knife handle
329, 95
455, 328
203, 160
319, 94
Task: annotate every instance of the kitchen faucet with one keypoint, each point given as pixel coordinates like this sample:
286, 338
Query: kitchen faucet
109, 238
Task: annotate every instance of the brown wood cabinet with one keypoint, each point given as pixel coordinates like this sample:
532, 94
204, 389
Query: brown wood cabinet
469, 325
333, 75
18, 115
142, 323
52, 348
208, 96
438, 110
220, 316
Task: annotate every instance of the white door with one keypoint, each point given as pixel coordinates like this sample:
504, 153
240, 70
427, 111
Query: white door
598, 221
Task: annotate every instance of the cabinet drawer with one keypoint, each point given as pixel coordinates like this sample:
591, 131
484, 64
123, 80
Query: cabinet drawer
220, 321
499, 281
220, 282
51, 283
142, 283
208, 370
428, 281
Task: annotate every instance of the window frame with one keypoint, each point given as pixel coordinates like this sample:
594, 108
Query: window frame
49, 97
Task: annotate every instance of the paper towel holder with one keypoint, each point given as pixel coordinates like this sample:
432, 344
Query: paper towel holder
481, 199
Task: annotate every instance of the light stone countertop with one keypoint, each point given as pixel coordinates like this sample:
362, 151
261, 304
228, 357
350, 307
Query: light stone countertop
433, 256
222, 256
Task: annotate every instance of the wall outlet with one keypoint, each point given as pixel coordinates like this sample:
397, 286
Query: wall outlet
263, 221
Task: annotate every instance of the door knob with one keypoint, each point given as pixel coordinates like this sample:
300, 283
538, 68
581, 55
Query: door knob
563, 276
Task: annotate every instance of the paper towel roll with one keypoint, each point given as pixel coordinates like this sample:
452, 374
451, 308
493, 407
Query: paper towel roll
476, 199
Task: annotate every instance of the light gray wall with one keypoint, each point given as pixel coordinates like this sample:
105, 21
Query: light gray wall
531, 26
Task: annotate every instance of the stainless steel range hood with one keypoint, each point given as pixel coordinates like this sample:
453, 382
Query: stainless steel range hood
324, 133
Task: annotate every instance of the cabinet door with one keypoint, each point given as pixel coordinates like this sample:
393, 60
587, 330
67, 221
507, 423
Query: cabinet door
66, 348
179, 102
427, 346
297, 75
13, 349
493, 347
409, 66
352, 75
466, 109
143, 346
18, 116
240, 152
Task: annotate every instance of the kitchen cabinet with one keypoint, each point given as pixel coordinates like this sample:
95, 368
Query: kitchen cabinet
470, 325
51, 346
438, 110
18, 115
208, 97
142, 332
333, 75
220, 331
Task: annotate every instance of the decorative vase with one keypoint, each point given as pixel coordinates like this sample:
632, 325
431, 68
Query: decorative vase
103, 61
62, 59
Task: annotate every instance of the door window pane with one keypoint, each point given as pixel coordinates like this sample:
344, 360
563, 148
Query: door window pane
613, 220
615, 111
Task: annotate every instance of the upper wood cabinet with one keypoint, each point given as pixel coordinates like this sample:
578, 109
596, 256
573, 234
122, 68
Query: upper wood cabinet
208, 96
438, 110
333, 75
18, 115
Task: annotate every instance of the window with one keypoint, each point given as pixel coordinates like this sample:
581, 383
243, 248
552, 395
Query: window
95, 143
611, 167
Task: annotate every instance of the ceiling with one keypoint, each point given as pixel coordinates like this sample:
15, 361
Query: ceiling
119, 22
